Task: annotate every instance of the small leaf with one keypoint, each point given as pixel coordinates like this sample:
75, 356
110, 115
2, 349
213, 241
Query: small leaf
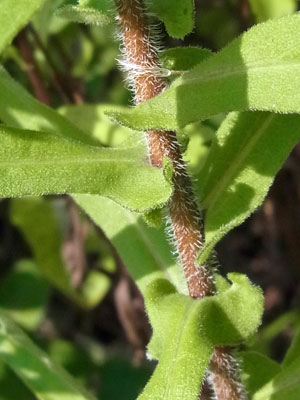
183, 58
36, 220
185, 333
177, 15
260, 70
14, 17
35, 163
244, 158
96, 12
144, 250
293, 352
265, 10
45, 379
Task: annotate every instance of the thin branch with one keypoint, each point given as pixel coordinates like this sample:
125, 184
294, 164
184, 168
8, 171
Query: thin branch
185, 220
32, 70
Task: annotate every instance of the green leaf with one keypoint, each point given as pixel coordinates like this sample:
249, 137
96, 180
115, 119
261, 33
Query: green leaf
20, 110
45, 379
293, 351
260, 70
24, 294
14, 17
257, 370
183, 58
144, 250
285, 385
264, 10
35, 163
11, 388
36, 220
177, 15
246, 154
91, 118
96, 12
185, 333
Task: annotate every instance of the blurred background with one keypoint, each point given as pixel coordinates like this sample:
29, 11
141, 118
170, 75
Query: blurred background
61, 279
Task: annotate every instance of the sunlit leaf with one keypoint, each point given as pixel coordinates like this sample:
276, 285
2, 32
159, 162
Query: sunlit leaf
14, 16
185, 333
34, 163
247, 152
260, 70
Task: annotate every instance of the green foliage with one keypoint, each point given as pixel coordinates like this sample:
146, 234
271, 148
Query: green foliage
246, 154
183, 58
45, 379
184, 356
135, 241
24, 294
264, 10
177, 15
35, 163
257, 71
44, 229
14, 17
88, 12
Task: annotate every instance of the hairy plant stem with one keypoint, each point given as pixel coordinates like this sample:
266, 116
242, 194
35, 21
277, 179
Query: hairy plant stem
186, 224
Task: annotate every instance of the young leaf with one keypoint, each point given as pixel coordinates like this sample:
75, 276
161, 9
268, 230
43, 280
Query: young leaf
293, 352
285, 385
264, 10
183, 58
144, 250
36, 220
19, 109
185, 333
177, 15
258, 71
88, 12
45, 379
245, 156
14, 17
34, 163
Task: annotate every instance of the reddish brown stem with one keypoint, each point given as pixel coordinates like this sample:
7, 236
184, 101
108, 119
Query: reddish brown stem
143, 68
33, 73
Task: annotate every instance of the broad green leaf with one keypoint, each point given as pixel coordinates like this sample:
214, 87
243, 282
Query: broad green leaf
15, 14
183, 58
34, 163
258, 71
19, 109
257, 370
96, 12
91, 118
177, 15
264, 10
24, 294
285, 385
246, 154
37, 222
45, 379
144, 250
185, 334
